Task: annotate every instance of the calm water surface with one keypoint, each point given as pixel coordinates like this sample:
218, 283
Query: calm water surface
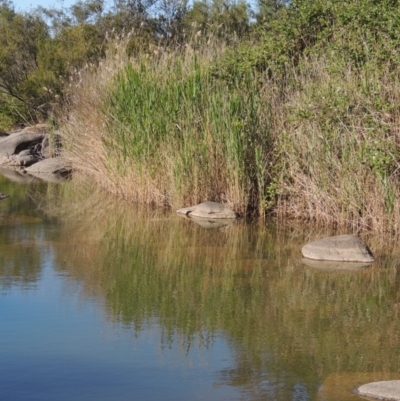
100, 300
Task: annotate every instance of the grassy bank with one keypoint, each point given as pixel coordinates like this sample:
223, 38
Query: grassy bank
307, 132
169, 133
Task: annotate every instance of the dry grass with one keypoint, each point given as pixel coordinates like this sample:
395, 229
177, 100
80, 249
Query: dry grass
340, 149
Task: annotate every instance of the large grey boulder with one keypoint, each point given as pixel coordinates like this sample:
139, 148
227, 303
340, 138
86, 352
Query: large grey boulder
28, 138
208, 210
384, 390
341, 248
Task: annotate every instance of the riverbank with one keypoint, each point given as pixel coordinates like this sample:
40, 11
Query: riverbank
162, 131
304, 132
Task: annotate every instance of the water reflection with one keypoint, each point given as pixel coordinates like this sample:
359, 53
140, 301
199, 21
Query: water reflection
286, 322
290, 326
209, 223
18, 176
21, 226
335, 266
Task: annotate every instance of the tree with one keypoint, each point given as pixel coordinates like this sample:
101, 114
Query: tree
220, 17
22, 36
39, 50
267, 9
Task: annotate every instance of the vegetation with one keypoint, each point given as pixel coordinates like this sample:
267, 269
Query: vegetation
291, 110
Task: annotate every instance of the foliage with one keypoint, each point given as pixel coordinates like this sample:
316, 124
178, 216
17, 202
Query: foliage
291, 121
363, 33
220, 17
168, 133
34, 64
22, 37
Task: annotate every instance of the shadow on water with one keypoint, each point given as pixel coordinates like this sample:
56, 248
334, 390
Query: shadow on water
292, 326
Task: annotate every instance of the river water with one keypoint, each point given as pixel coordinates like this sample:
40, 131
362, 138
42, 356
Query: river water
102, 300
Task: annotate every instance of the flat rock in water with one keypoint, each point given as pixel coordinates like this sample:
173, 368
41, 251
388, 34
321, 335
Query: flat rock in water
343, 386
384, 390
341, 248
208, 210
55, 165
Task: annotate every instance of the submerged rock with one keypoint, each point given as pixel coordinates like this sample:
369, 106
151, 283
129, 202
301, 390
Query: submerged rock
384, 390
341, 248
208, 210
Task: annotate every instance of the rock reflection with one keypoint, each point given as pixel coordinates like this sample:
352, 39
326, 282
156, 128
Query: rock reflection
17, 176
335, 266
208, 223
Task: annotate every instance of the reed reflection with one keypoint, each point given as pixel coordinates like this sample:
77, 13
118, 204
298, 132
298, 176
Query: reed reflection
286, 321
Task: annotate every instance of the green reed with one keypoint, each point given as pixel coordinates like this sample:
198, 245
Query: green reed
191, 134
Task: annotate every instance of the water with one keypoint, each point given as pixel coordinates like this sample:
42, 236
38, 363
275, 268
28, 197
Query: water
100, 300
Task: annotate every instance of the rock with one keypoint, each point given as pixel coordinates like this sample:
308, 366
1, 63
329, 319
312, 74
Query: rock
28, 138
384, 390
55, 166
23, 159
26, 152
208, 210
341, 248
343, 386
3, 196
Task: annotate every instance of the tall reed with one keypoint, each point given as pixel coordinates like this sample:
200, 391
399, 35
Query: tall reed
165, 131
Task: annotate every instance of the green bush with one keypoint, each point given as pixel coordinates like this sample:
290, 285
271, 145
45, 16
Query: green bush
364, 33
